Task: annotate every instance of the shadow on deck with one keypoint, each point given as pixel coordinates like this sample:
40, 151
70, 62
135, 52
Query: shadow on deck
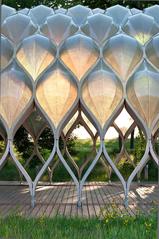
61, 199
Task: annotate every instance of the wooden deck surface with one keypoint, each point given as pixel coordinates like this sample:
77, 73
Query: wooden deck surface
60, 199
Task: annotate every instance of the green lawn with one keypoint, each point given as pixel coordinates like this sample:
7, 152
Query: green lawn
141, 227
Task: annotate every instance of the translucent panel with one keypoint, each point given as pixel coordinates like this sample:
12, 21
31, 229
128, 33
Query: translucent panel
155, 130
141, 27
90, 125
70, 123
98, 10
100, 34
58, 27
17, 27
79, 53
124, 121
15, 91
118, 13
34, 124
6, 52
24, 11
153, 12
56, 92
102, 92
142, 92
40, 13
123, 53
152, 51
61, 10
135, 11
35, 54
79, 14
6, 11
2, 131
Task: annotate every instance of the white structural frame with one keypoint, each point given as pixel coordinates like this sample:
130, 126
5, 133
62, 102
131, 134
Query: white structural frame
79, 104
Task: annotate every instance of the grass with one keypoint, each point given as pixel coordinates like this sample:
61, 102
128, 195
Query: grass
139, 227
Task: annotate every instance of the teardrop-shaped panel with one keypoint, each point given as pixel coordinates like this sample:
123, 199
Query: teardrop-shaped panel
141, 27
24, 11
119, 14
6, 52
98, 10
79, 53
102, 92
35, 54
15, 93
100, 34
153, 12
135, 11
56, 92
39, 14
61, 10
152, 51
122, 53
6, 11
34, 124
79, 14
58, 27
142, 91
17, 27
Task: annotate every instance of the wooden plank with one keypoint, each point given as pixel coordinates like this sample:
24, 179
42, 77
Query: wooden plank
56, 199
62, 198
50, 205
67, 205
98, 206
94, 199
33, 211
74, 211
45, 200
10, 205
62, 205
85, 212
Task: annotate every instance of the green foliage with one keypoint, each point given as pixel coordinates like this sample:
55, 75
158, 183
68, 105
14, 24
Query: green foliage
23, 143
2, 148
112, 215
9, 171
112, 147
125, 167
60, 173
80, 150
46, 139
140, 145
18, 4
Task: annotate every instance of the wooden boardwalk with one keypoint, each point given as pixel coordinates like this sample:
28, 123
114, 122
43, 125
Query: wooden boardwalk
61, 198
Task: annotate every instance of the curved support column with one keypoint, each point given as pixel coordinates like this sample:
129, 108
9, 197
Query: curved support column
21, 168
138, 167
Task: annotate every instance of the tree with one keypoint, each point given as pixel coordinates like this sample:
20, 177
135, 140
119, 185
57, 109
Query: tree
19, 4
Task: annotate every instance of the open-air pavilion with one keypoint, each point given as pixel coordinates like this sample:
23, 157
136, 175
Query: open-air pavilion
59, 70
